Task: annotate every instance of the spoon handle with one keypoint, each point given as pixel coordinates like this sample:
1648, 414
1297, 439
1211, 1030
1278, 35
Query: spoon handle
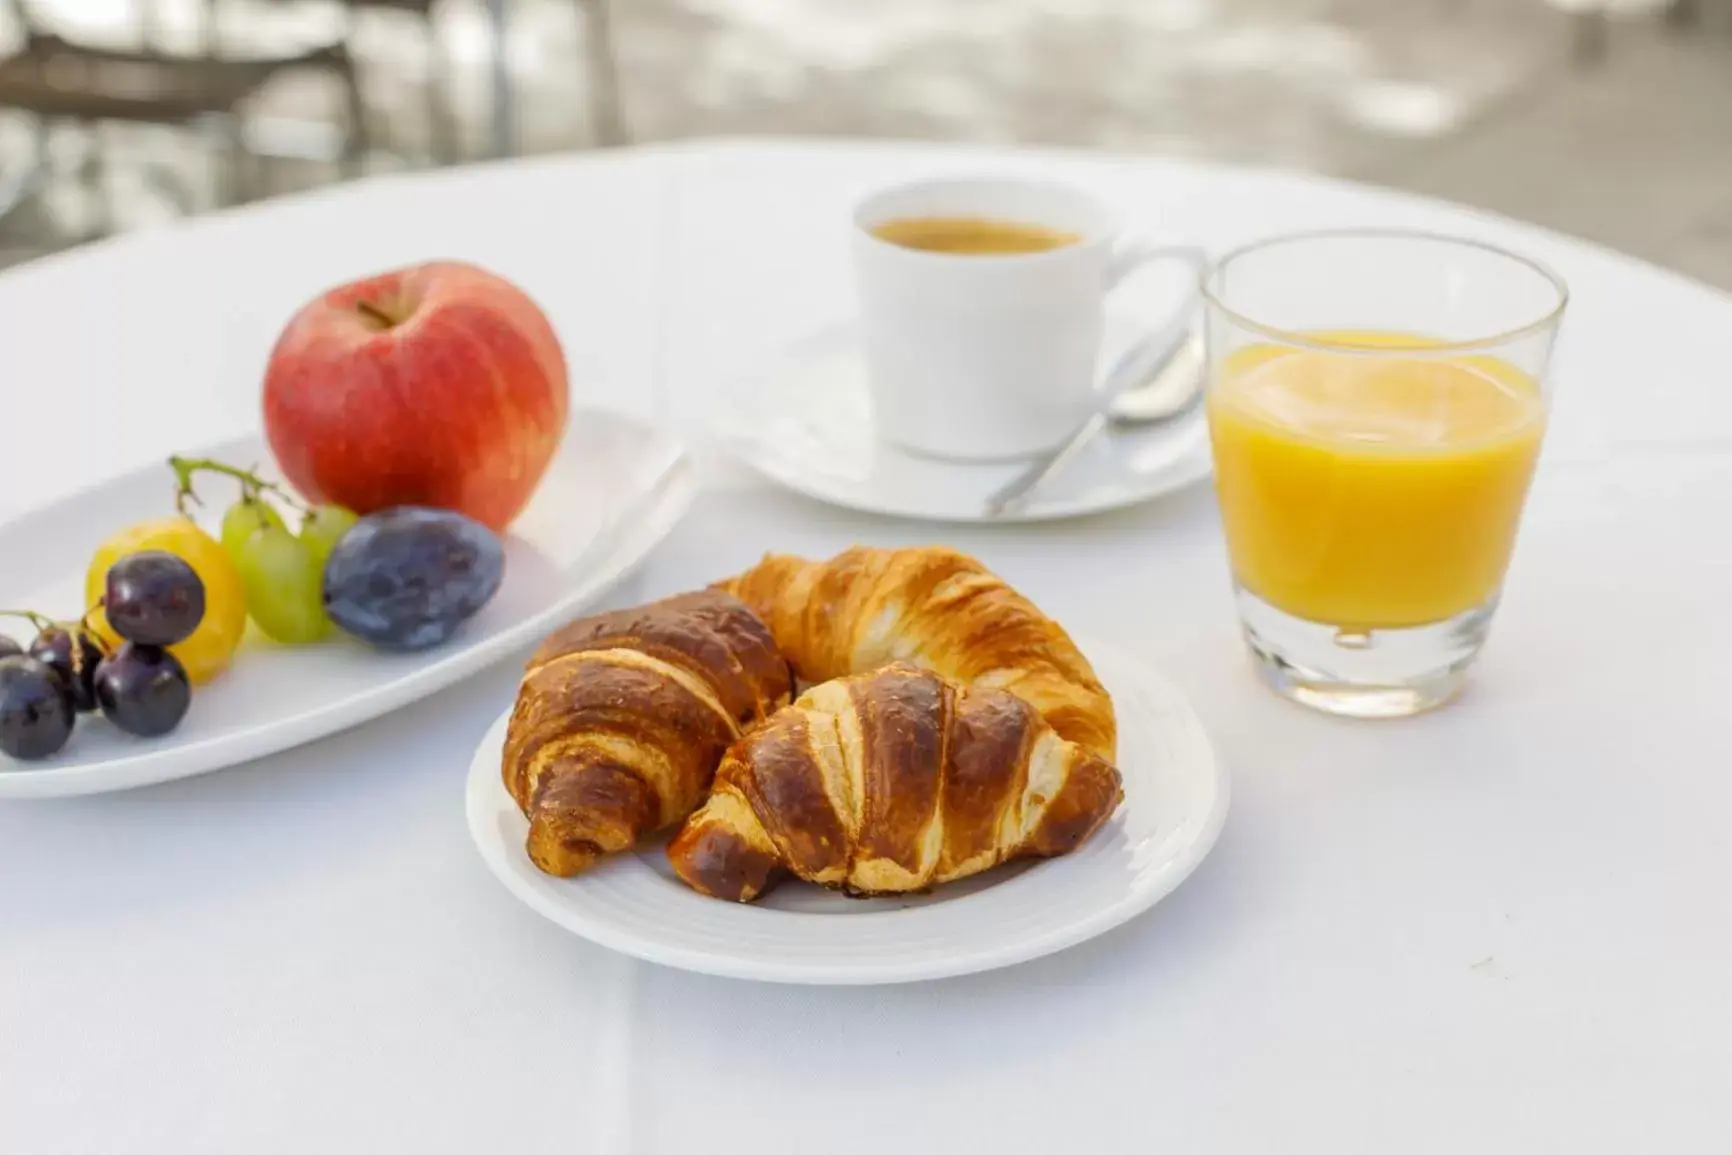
1013, 494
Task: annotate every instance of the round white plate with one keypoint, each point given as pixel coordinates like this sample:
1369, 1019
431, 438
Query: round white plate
1175, 802
615, 489
806, 422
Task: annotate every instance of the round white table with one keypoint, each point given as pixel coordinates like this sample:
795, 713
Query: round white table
1506, 926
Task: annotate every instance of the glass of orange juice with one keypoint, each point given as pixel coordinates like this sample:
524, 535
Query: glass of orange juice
1376, 403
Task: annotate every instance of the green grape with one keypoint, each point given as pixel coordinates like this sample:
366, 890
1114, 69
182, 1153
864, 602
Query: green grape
243, 517
284, 586
323, 528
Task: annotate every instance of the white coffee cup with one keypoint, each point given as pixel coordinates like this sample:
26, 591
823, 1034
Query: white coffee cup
994, 357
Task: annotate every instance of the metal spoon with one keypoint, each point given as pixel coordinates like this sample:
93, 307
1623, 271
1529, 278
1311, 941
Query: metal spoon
1169, 391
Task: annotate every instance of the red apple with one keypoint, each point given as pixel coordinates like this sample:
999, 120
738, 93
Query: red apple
439, 384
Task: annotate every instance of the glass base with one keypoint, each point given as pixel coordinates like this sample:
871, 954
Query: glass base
1362, 673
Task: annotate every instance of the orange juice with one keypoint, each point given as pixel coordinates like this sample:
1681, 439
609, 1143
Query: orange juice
1372, 491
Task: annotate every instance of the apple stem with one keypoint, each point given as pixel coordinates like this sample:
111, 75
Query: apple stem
375, 314
253, 487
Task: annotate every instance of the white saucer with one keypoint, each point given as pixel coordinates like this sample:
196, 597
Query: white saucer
806, 423
1175, 802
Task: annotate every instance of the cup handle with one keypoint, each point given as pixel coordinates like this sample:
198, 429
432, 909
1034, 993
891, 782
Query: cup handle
1149, 353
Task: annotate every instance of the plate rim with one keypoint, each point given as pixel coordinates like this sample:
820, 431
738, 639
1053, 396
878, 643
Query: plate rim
623, 543
482, 786
1187, 470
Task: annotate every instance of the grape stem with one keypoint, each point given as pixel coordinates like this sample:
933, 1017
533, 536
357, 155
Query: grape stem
253, 487
90, 631
81, 627
40, 621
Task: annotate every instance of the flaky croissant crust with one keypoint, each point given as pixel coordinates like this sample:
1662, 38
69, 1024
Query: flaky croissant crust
622, 718
890, 782
937, 608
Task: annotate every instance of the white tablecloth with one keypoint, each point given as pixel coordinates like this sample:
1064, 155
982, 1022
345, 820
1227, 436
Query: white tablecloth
1503, 927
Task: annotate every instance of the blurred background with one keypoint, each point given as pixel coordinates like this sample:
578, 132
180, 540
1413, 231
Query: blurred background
1609, 119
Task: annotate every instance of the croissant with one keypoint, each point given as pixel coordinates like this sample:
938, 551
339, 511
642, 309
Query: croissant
621, 719
936, 608
889, 782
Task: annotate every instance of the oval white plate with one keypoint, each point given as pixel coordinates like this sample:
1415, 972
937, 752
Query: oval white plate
1175, 802
806, 422
616, 488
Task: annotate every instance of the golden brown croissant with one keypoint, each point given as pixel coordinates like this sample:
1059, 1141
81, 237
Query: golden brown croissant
889, 782
936, 608
622, 718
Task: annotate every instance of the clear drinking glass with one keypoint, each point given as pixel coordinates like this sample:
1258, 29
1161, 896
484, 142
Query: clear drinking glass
1376, 404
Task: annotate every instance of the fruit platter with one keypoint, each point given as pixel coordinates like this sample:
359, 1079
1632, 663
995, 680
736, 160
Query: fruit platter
392, 531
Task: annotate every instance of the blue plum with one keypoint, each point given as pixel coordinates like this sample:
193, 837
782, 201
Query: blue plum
406, 578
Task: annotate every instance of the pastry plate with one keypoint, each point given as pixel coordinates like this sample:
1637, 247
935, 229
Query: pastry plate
1176, 796
615, 489
805, 422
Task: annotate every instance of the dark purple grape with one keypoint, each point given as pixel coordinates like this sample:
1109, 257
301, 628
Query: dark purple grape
74, 661
35, 713
8, 647
143, 689
153, 597
406, 578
